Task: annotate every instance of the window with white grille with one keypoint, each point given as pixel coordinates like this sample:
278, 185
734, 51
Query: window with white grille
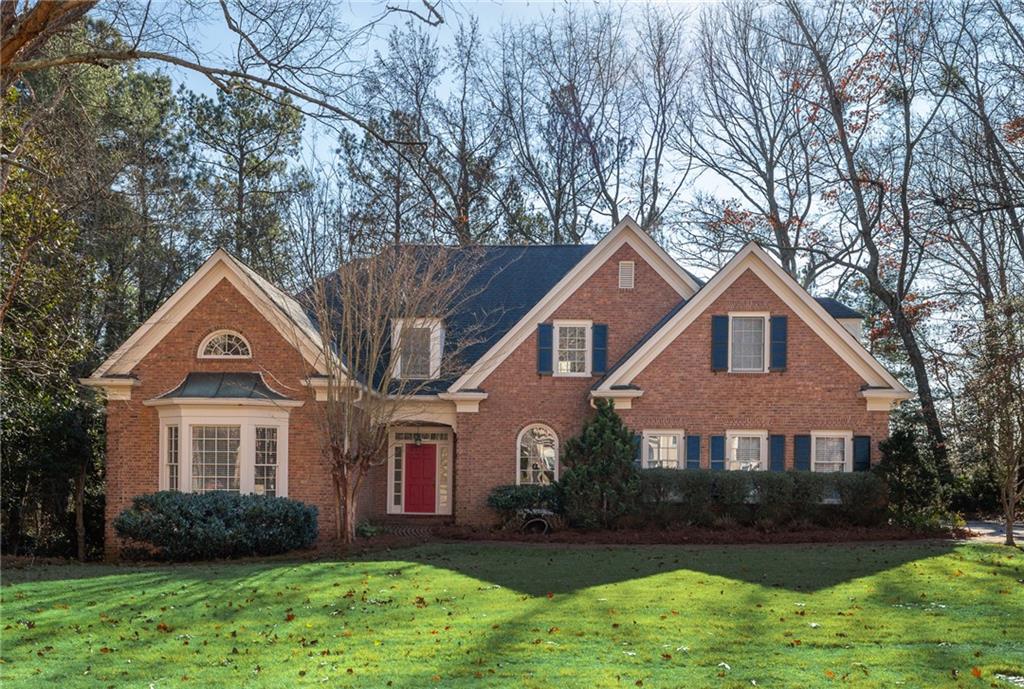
224, 345
746, 343
661, 449
831, 452
572, 348
215, 461
173, 452
265, 477
746, 450
627, 274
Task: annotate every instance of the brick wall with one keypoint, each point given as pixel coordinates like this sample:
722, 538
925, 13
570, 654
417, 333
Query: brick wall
133, 428
486, 455
818, 391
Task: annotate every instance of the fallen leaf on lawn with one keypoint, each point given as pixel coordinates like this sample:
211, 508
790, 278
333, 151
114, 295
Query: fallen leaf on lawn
976, 671
289, 617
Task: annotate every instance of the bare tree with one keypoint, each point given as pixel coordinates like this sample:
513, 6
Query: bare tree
378, 316
995, 391
658, 87
750, 132
547, 154
872, 101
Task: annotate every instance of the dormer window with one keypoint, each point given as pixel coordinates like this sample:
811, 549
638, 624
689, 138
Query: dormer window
224, 344
420, 342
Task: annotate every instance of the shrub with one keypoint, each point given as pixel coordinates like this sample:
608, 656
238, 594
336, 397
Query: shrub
601, 483
863, 498
916, 493
766, 500
189, 526
511, 501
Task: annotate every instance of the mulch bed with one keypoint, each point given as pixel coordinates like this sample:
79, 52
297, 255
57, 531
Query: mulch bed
697, 536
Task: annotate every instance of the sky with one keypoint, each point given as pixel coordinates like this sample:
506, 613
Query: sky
214, 39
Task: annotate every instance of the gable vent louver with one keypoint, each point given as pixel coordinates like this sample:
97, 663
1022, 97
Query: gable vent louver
627, 271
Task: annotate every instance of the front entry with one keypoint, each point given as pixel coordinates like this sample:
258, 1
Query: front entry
421, 478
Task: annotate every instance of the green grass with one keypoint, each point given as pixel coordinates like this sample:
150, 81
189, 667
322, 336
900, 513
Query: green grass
468, 615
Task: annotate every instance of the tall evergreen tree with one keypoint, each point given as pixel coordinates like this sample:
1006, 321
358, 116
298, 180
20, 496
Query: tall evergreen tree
246, 138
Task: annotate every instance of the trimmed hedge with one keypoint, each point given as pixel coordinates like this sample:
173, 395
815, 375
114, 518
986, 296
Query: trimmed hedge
189, 526
761, 498
509, 501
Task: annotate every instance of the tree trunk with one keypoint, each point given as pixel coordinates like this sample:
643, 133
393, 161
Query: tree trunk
345, 487
80, 511
924, 392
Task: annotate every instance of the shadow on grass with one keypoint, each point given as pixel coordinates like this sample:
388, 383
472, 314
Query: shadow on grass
540, 570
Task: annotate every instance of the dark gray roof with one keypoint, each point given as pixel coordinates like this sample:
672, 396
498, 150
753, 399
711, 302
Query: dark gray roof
507, 281
224, 386
837, 309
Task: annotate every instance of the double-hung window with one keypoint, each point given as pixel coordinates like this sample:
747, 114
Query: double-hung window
418, 345
572, 348
746, 450
748, 333
832, 451
662, 450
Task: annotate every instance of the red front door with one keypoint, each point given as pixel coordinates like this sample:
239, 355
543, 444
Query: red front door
420, 478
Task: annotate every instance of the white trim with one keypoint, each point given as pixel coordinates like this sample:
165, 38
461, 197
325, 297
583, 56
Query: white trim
246, 417
730, 447
113, 388
680, 436
765, 317
436, 344
519, 440
220, 266
626, 232
587, 352
753, 258
466, 402
884, 400
217, 333
847, 450
627, 274
443, 446
622, 399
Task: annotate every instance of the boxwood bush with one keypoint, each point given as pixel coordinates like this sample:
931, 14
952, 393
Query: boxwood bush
189, 526
510, 501
761, 498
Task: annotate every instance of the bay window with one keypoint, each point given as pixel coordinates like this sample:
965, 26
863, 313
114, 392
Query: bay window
210, 447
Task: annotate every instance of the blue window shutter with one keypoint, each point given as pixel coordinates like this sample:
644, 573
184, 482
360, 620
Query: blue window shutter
718, 452
777, 452
802, 452
693, 452
599, 347
719, 343
638, 448
861, 452
545, 348
779, 328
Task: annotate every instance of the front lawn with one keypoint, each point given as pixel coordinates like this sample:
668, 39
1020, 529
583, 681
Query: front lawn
470, 615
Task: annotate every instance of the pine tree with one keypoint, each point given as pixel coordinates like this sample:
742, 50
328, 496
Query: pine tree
601, 482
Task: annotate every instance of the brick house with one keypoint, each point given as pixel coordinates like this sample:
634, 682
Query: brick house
219, 389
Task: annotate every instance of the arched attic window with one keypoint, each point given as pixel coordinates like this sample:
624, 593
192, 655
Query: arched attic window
224, 344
